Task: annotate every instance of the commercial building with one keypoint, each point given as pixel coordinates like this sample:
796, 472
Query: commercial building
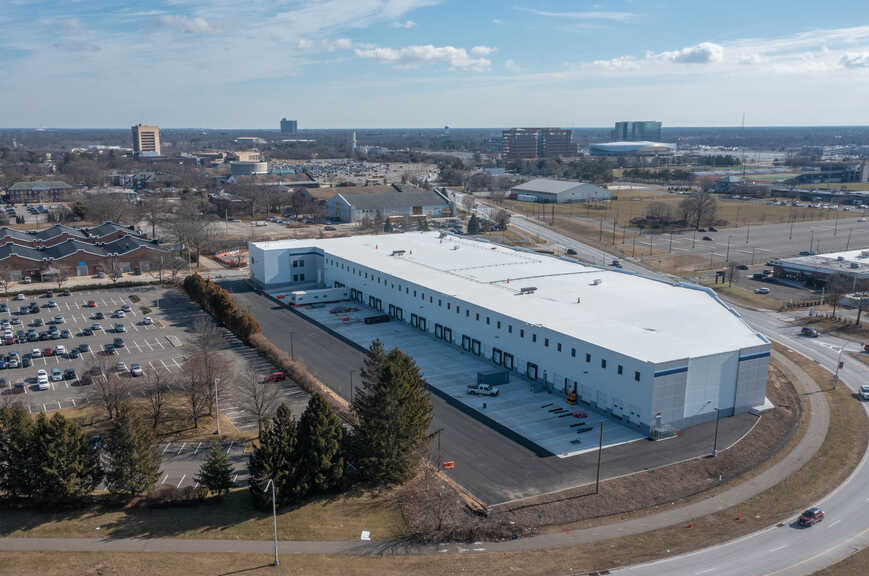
353, 203
547, 190
517, 143
632, 149
109, 247
289, 126
637, 131
657, 355
248, 168
816, 270
146, 140
39, 191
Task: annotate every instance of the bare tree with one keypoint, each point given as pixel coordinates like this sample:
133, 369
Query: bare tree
467, 203
155, 391
195, 386
112, 389
257, 396
204, 371
699, 208
5, 279
105, 208
502, 219
837, 286
153, 211
62, 275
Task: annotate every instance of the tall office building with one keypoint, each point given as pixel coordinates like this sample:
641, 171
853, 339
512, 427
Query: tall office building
646, 131
537, 143
289, 126
146, 140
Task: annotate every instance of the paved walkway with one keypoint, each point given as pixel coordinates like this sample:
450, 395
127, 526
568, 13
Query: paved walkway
790, 463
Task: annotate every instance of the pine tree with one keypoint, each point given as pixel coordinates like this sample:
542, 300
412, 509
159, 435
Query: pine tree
274, 459
394, 415
66, 468
473, 225
134, 461
216, 472
320, 455
16, 452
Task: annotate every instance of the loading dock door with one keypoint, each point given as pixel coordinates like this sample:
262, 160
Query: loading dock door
414, 320
497, 356
466, 343
422, 323
508, 361
531, 371
475, 347
448, 334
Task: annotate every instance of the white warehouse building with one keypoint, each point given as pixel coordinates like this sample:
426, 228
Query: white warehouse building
659, 356
548, 190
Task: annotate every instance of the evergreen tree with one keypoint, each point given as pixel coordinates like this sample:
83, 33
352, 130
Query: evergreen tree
394, 414
473, 225
320, 455
65, 466
16, 452
387, 225
134, 461
216, 472
422, 224
274, 459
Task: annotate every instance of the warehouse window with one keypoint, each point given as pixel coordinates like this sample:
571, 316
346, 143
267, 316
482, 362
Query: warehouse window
414, 293
499, 324
467, 313
573, 352
509, 328
458, 310
407, 291
546, 342
603, 362
430, 300
487, 320
521, 332
478, 316
534, 337
620, 369
559, 346
587, 357
439, 302
637, 376
449, 306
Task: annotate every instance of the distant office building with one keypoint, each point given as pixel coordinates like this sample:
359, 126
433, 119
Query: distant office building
243, 168
289, 126
146, 140
637, 131
537, 143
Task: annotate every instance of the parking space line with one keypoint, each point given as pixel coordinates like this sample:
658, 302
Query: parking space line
230, 447
164, 366
151, 364
136, 344
160, 344
183, 444
234, 478
43, 407
163, 481
183, 476
58, 405
176, 363
149, 345
166, 448
73, 402
198, 446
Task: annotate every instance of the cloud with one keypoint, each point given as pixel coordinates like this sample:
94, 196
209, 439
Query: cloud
195, 25
497, 21
703, 53
407, 24
511, 66
415, 56
304, 44
581, 15
855, 61
76, 46
482, 51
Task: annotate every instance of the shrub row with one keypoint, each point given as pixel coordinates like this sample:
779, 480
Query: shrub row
300, 374
217, 302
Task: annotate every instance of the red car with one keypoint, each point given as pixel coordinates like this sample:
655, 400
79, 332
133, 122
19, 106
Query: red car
48, 352
276, 377
811, 516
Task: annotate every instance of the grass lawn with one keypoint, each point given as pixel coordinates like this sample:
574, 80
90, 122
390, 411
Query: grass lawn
234, 517
175, 425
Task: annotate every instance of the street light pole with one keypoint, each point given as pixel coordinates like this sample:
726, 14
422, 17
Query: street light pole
715, 440
217, 405
599, 452
838, 365
292, 348
274, 518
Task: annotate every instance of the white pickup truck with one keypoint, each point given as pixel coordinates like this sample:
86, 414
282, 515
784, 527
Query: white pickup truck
864, 392
482, 390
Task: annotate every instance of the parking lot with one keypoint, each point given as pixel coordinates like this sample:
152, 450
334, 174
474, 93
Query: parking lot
156, 344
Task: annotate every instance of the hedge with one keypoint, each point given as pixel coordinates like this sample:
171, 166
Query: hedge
217, 302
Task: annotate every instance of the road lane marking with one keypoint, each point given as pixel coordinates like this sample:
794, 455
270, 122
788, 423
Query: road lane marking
782, 547
834, 523
164, 366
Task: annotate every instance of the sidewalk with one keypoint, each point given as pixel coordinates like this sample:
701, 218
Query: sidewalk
793, 461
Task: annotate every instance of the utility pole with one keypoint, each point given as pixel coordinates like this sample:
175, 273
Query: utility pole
274, 517
292, 348
601, 230
670, 249
748, 232
812, 239
599, 452
727, 256
838, 365
634, 250
791, 233
715, 441
848, 243
694, 239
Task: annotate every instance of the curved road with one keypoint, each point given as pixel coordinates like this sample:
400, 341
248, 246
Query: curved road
780, 549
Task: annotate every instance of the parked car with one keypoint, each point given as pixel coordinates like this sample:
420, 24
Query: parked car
864, 392
65, 293
811, 516
91, 304
36, 353
119, 327
707, 238
118, 343
59, 319
74, 353
99, 316
56, 375
136, 370
482, 389
48, 351
60, 350
809, 332
761, 290
121, 366
19, 297
147, 321
25, 362
119, 314
85, 347
571, 252
52, 304
126, 308
276, 377
742, 267
64, 333
69, 374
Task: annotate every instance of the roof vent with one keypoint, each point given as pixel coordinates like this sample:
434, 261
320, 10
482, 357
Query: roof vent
855, 265
595, 282
840, 258
864, 254
398, 252
527, 290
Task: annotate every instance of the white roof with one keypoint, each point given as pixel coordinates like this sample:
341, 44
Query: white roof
547, 185
851, 263
643, 318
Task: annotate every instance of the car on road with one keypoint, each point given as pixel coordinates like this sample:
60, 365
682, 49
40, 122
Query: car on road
147, 321
482, 389
707, 238
761, 290
864, 392
69, 374
809, 332
56, 375
742, 267
136, 370
616, 263
19, 297
571, 252
811, 516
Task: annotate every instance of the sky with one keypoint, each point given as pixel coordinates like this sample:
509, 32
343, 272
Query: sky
431, 63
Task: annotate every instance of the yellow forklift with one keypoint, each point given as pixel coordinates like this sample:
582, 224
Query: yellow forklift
570, 393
